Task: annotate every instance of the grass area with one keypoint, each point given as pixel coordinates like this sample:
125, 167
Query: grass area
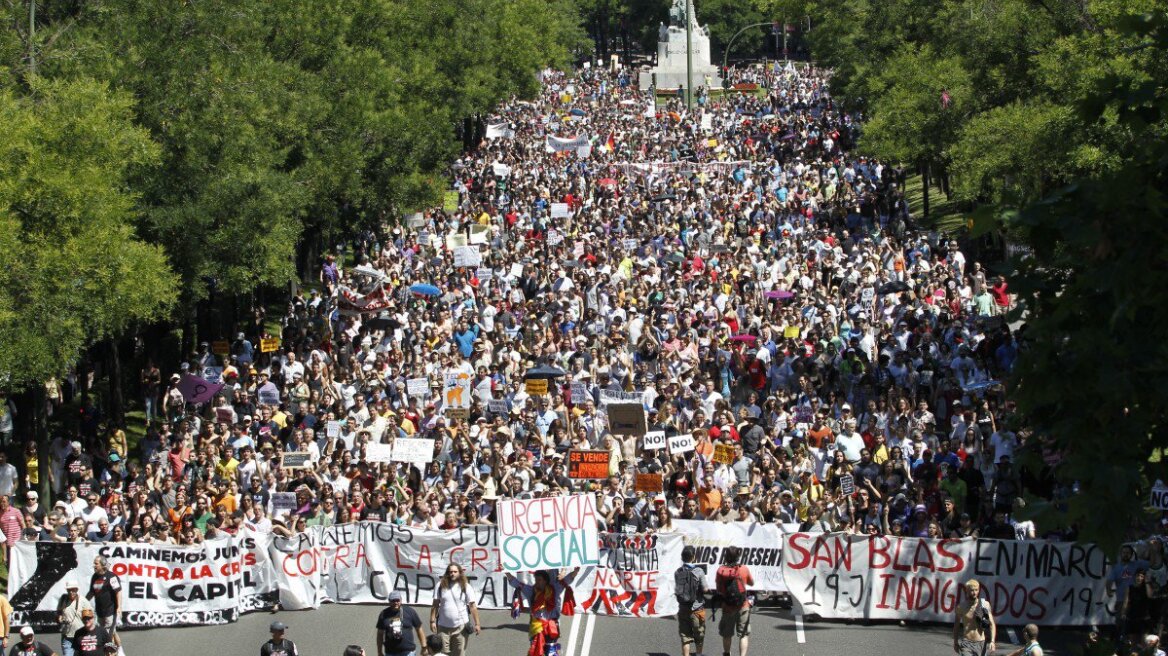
944, 214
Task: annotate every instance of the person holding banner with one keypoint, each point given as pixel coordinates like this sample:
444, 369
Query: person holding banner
453, 611
544, 599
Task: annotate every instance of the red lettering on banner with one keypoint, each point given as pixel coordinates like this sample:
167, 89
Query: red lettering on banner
878, 546
944, 551
884, 586
339, 556
397, 558
795, 545
424, 557
840, 556
924, 557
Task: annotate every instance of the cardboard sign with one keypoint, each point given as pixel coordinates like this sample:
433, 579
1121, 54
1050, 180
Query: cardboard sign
283, 502
484, 274
378, 452
649, 483
681, 444
548, 533
456, 240
560, 211
867, 295
791, 332
724, 453
588, 464
269, 345
848, 484
296, 460
654, 440
221, 347
497, 407
224, 415
415, 450
627, 419
332, 429
418, 387
579, 393
467, 256
536, 386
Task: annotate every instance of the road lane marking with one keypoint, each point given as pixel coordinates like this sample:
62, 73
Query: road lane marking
573, 634
799, 635
586, 647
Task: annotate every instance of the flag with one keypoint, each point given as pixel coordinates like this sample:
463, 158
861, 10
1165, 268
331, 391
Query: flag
610, 143
197, 390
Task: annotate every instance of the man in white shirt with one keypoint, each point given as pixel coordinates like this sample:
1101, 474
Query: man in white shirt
850, 442
93, 513
9, 477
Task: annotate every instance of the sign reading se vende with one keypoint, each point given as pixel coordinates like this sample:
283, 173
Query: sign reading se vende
588, 464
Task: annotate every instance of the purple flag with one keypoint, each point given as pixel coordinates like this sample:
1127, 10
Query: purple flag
197, 390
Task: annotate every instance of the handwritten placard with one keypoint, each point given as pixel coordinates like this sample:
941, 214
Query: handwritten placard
296, 460
536, 386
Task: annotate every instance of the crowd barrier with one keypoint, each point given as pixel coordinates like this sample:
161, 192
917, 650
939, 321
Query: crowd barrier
830, 575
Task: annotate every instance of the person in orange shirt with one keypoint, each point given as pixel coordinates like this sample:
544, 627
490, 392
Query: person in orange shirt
709, 496
819, 434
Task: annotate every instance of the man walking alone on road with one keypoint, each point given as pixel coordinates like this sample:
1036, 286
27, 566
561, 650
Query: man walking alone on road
690, 584
732, 581
974, 619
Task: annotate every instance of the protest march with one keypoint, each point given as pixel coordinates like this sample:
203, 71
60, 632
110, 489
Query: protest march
631, 328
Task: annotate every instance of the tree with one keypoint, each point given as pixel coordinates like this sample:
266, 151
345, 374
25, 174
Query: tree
72, 271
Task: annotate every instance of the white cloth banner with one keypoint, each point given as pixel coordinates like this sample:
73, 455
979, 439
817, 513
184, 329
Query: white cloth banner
834, 575
581, 145
500, 131
762, 549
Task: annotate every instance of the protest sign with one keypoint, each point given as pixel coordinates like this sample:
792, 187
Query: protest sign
535, 386
221, 347
456, 390
450, 201
648, 483
560, 211
761, 546
626, 418
579, 144
283, 502
588, 464
224, 415
548, 533
847, 484
213, 375
681, 444
500, 169
616, 396
1159, 499
296, 460
834, 575
724, 453
415, 220
579, 393
332, 429
653, 440
499, 131
497, 407
269, 345
418, 387
456, 240
867, 295
414, 450
378, 452
467, 256
484, 274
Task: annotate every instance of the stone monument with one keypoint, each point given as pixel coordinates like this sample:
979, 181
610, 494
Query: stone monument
671, 60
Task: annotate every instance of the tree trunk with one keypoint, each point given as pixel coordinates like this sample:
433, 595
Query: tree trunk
117, 399
925, 188
40, 433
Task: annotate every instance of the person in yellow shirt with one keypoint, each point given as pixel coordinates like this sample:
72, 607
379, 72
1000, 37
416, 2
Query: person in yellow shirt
226, 465
810, 493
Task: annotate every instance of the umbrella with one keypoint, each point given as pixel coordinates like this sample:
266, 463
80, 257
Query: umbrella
780, 294
577, 112
892, 287
744, 338
606, 182
425, 290
381, 324
663, 198
570, 264
677, 258
544, 371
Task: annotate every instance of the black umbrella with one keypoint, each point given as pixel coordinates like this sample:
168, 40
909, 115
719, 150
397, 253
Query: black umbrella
544, 371
893, 287
676, 258
381, 324
664, 197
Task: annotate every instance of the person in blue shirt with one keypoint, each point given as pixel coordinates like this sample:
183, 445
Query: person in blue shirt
465, 337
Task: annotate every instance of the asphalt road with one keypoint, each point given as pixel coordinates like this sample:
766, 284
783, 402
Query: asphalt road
326, 631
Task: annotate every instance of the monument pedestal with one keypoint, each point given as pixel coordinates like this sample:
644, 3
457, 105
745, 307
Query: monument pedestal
670, 72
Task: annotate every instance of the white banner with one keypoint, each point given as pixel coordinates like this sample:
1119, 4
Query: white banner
762, 549
378, 452
467, 256
414, 450
417, 386
580, 145
548, 533
500, 131
835, 575
560, 211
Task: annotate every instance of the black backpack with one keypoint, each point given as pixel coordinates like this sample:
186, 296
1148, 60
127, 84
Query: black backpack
688, 586
735, 590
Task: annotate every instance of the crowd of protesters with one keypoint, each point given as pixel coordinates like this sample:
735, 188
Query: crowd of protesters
735, 267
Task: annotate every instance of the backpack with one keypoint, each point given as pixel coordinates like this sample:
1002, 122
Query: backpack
688, 586
734, 593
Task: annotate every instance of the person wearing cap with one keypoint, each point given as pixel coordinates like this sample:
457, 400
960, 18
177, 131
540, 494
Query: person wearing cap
399, 629
278, 645
69, 609
90, 639
29, 645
